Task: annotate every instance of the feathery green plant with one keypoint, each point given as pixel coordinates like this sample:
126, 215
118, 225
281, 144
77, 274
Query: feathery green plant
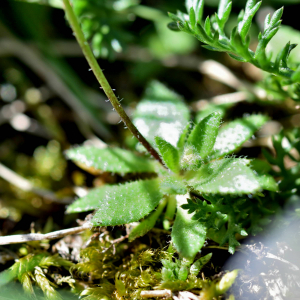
210, 32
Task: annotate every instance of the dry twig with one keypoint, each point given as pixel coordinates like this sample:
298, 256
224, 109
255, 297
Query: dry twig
159, 294
23, 238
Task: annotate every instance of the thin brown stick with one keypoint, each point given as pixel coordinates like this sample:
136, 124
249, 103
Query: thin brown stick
103, 81
23, 238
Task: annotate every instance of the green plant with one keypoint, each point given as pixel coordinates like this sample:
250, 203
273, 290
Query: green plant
194, 160
212, 34
198, 163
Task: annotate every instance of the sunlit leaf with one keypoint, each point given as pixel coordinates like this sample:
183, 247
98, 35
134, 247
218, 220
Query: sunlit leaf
114, 160
188, 236
225, 176
235, 133
125, 203
161, 113
226, 282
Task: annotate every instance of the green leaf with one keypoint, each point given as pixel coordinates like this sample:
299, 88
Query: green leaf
114, 160
223, 13
199, 264
283, 37
147, 224
169, 154
223, 6
170, 212
225, 176
207, 27
91, 200
276, 17
226, 282
192, 16
201, 141
198, 6
188, 236
245, 24
234, 134
161, 113
126, 203
238, 58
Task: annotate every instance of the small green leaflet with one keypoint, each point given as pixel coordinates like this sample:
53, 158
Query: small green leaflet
188, 236
169, 154
161, 113
126, 203
235, 133
114, 160
199, 264
201, 141
225, 176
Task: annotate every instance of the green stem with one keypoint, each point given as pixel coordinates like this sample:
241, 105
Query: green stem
103, 81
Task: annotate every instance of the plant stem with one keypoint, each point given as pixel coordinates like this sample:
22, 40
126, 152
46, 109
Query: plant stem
103, 81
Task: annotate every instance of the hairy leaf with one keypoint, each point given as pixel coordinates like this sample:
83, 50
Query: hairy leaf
188, 236
91, 200
234, 134
169, 154
161, 113
225, 176
201, 141
114, 160
126, 203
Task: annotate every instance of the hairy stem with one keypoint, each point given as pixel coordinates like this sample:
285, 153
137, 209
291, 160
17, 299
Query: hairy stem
103, 81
